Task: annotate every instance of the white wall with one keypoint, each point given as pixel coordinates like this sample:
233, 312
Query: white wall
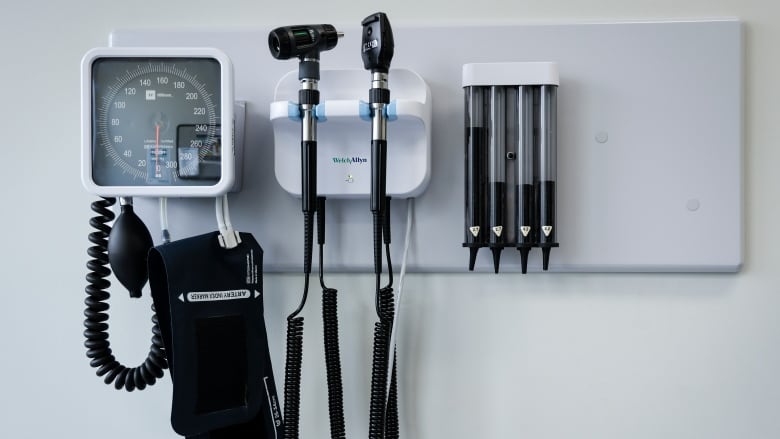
554, 356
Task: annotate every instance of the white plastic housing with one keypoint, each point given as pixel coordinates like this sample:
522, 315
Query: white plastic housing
344, 138
510, 73
227, 173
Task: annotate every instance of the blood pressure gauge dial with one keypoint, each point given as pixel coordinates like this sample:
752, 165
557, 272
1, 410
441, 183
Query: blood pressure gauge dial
157, 122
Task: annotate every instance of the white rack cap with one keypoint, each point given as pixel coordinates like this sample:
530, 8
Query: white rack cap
510, 73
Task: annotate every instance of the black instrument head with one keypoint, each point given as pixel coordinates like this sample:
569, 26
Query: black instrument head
302, 41
377, 46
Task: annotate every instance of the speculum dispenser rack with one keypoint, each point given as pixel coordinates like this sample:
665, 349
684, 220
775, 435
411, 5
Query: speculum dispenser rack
511, 155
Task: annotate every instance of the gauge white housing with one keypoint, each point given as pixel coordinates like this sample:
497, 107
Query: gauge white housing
227, 174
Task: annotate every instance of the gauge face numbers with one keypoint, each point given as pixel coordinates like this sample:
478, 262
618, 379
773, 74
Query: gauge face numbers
156, 121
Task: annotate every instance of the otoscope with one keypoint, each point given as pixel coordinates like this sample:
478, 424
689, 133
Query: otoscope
304, 42
377, 50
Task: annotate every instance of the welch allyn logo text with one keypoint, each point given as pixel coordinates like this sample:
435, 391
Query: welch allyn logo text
349, 160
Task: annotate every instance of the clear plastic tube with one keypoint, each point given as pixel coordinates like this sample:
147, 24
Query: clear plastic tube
547, 156
497, 173
524, 217
476, 160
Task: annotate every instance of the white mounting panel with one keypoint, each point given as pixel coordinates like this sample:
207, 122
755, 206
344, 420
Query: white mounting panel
649, 146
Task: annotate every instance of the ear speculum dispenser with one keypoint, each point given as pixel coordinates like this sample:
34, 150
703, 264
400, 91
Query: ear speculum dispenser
511, 156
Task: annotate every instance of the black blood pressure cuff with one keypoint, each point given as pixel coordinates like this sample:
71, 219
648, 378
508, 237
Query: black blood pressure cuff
209, 303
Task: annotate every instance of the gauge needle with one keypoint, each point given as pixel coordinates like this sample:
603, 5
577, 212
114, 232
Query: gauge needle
157, 150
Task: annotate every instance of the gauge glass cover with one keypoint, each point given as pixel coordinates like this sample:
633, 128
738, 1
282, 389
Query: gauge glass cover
156, 124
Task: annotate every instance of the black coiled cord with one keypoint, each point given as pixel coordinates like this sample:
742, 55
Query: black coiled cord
294, 360
96, 313
383, 410
292, 377
333, 363
388, 305
330, 324
392, 430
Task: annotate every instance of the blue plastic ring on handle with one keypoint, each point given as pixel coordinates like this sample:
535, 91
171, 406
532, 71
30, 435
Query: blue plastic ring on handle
364, 111
392, 111
319, 112
293, 111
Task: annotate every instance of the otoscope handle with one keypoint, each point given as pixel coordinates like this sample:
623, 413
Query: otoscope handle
386, 222
321, 220
309, 175
307, 99
378, 175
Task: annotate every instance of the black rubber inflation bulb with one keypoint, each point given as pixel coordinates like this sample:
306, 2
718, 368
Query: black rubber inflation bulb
128, 247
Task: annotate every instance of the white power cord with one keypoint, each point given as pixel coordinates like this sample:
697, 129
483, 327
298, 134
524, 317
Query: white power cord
396, 317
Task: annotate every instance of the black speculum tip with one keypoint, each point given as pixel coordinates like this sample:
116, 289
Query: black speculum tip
496, 257
546, 258
524, 258
472, 257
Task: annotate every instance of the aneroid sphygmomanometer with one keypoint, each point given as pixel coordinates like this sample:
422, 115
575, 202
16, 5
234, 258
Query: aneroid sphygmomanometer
159, 123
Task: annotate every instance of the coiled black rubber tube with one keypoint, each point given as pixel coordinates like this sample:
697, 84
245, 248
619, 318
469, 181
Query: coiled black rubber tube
96, 313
